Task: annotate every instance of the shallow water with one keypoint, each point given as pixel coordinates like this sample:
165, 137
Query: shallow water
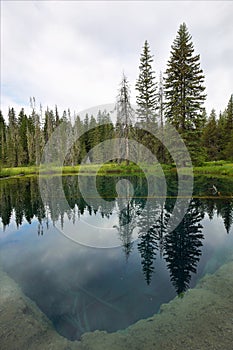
106, 264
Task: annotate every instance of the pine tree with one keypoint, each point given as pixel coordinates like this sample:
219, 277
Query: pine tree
57, 119
3, 150
49, 124
221, 141
229, 121
210, 137
85, 135
79, 144
31, 141
147, 99
184, 92
228, 137
23, 141
92, 136
225, 132
35, 137
12, 138
229, 148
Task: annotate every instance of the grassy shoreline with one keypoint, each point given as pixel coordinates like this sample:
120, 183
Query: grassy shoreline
209, 168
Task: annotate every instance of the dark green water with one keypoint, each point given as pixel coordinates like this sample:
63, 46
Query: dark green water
106, 264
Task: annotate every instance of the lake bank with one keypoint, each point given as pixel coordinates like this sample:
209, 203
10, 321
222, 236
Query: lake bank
210, 168
202, 319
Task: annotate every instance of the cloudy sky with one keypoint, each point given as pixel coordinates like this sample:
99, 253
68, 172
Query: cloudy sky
73, 53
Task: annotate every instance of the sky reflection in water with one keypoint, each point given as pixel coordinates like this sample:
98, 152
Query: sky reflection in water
82, 288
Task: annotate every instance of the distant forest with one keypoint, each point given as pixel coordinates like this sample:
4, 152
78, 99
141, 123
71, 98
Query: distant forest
177, 98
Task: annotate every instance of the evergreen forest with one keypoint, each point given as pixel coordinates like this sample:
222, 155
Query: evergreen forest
176, 96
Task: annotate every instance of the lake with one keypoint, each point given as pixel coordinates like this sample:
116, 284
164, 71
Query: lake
106, 261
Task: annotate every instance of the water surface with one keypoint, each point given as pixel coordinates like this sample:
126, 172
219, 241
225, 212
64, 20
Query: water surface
51, 251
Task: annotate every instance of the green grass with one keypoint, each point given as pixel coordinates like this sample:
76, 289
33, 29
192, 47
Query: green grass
19, 171
110, 169
113, 169
215, 168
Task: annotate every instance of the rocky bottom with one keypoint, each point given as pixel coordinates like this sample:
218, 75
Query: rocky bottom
201, 320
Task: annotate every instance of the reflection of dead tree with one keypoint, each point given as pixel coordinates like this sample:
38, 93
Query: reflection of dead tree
127, 216
148, 245
127, 224
160, 227
40, 229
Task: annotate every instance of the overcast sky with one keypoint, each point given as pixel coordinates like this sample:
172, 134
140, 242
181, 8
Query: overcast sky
73, 53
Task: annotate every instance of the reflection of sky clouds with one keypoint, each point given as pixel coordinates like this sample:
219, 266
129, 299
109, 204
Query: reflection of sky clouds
97, 220
52, 266
55, 253
215, 232
217, 244
64, 260
12, 228
101, 231
53, 269
93, 230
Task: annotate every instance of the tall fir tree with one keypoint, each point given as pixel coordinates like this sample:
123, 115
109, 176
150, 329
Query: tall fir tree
184, 92
12, 138
103, 131
147, 100
3, 149
229, 118
23, 141
147, 97
221, 141
79, 145
210, 137
228, 137
37, 135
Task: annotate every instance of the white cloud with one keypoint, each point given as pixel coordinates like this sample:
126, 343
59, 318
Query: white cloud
73, 53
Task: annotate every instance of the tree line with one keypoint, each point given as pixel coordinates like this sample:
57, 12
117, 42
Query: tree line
177, 98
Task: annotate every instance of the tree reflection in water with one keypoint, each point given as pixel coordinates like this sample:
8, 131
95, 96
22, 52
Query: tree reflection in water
151, 217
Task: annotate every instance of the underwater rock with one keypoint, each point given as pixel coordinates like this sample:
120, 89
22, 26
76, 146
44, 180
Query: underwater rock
23, 325
201, 320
